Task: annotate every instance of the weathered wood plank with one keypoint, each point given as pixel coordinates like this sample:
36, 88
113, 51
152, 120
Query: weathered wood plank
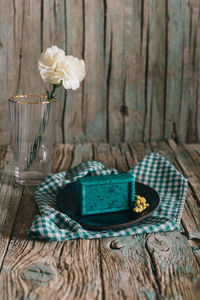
172, 242
65, 270
159, 259
10, 196
82, 152
126, 268
38, 270
155, 70
142, 66
72, 114
28, 76
195, 156
9, 61
191, 218
103, 154
174, 265
178, 68
119, 159
190, 170
62, 162
140, 150
93, 104
193, 124
195, 245
135, 79
193, 147
157, 266
45, 270
191, 212
115, 73
3, 150
53, 32
130, 157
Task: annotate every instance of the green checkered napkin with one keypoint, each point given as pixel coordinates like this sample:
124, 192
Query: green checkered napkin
153, 170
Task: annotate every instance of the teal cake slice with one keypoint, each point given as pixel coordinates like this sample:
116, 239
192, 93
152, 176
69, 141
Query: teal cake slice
105, 193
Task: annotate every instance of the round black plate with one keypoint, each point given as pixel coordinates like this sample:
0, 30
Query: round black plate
66, 203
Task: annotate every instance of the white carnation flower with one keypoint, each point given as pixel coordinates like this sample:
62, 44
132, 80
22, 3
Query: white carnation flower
49, 62
73, 72
55, 68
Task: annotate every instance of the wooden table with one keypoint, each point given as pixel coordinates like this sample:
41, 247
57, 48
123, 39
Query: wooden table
152, 266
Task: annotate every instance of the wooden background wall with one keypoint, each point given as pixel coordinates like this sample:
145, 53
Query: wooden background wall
143, 66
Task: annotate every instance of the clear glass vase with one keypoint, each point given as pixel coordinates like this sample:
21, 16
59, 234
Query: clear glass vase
32, 137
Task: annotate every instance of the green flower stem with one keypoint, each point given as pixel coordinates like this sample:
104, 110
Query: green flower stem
36, 144
50, 98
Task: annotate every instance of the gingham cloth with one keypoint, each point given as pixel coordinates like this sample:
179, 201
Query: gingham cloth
154, 170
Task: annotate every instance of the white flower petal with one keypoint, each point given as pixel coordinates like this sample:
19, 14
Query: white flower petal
71, 84
55, 68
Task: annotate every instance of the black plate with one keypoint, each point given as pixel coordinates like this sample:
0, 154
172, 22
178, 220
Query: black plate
66, 203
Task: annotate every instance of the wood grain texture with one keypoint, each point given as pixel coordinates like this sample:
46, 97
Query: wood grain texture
142, 60
136, 54
155, 68
154, 266
178, 65
160, 253
68, 270
123, 278
191, 217
73, 112
10, 197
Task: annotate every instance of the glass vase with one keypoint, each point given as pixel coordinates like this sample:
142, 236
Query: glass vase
32, 137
